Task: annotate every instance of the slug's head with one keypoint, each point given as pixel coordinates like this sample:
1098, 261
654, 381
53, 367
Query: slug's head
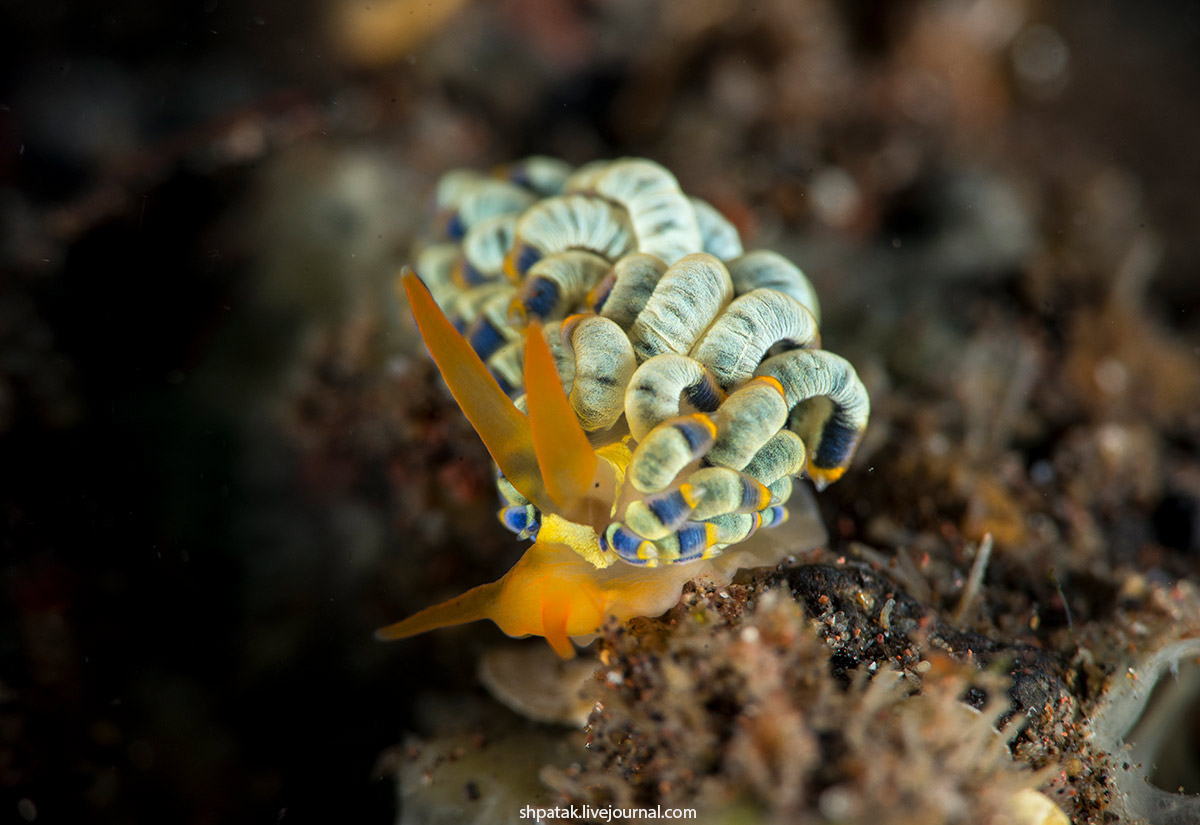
554, 590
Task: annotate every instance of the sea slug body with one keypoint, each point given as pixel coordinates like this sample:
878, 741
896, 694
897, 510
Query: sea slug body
647, 389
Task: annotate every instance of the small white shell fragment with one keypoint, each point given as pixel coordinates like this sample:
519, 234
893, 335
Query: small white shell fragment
1031, 807
533, 681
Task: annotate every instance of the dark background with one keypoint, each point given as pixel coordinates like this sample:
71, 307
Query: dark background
222, 459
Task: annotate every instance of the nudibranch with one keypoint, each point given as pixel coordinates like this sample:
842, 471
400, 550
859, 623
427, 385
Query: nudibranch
647, 389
